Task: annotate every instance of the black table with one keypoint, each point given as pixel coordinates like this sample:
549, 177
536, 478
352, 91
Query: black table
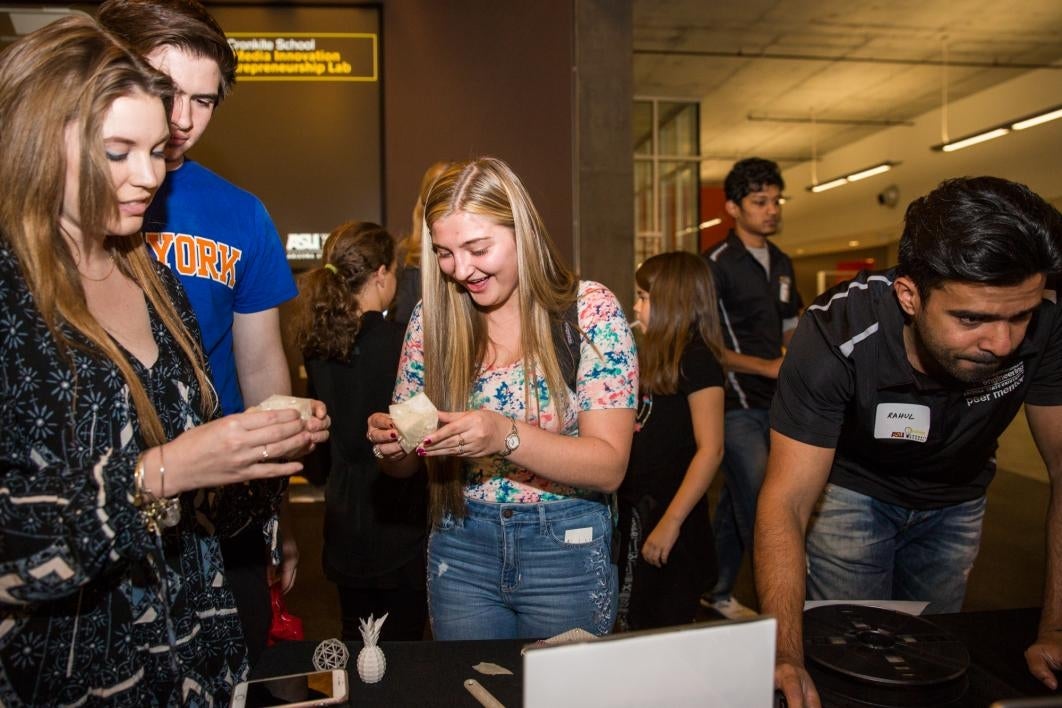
418, 673
997, 641
433, 673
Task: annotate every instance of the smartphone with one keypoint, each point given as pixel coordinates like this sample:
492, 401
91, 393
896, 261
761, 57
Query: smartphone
317, 688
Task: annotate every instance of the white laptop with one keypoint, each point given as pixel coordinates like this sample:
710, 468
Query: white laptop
726, 663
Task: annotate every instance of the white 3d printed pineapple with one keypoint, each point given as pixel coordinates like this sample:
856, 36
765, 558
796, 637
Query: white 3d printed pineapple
371, 660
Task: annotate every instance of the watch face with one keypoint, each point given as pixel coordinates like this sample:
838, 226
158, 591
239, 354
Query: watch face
512, 441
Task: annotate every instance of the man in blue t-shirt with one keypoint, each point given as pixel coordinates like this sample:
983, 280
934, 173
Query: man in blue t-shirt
221, 243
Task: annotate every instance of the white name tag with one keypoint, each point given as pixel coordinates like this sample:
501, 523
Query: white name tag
783, 288
901, 421
579, 535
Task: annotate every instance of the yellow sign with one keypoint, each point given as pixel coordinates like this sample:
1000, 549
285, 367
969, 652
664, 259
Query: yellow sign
305, 56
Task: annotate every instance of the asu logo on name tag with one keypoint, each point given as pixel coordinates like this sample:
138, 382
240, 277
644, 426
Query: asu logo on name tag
901, 421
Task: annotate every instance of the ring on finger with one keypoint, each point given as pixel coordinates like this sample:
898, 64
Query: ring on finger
265, 452
377, 452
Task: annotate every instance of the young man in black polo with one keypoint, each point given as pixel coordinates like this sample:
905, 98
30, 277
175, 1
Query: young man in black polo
758, 306
891, 398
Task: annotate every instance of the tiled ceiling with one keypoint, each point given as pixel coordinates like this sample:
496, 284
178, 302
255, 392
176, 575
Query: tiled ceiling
853, 65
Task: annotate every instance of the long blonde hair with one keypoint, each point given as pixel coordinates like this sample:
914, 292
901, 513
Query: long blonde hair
455, 340
70, 72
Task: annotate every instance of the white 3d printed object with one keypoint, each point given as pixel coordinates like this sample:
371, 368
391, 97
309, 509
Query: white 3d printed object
371, 660
330, 654
414, 419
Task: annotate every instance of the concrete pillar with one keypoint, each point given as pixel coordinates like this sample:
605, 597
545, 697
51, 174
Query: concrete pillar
545, 86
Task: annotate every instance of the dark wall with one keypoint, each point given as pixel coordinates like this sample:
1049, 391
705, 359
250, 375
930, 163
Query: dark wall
479, 77
544, 84
308, 149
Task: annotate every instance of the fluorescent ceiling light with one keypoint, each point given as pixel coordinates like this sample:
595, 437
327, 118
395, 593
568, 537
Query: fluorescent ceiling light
1037, 120
700, 227
972, 140
823, 186
1000, 130
852, 177
869, 172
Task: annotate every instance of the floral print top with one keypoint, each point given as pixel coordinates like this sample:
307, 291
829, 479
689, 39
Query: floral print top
607, 378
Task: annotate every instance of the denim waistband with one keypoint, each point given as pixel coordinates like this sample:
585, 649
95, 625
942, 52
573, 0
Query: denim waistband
533, 513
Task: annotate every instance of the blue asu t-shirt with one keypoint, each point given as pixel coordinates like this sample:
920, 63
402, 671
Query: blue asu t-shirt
220, 242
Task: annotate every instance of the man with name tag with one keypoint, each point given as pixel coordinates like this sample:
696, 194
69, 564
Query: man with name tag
758, 310
890, 400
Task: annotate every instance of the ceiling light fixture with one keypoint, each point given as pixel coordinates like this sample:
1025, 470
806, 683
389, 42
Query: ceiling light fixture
1024, 123
974, 139
878, 169
870, 172
700, 227
1000, 130
829, 184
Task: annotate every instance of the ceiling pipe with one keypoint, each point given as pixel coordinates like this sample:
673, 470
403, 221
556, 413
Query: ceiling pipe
740, 54
874, 122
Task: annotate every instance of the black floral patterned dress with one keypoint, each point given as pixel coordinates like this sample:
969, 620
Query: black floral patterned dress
89, 614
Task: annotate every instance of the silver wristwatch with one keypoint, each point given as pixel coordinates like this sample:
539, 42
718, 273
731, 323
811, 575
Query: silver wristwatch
512, 441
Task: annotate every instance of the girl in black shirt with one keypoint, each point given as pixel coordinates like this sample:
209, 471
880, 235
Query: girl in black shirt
375, 525
678, 443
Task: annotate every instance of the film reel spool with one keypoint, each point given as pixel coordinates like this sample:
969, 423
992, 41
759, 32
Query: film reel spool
882, 658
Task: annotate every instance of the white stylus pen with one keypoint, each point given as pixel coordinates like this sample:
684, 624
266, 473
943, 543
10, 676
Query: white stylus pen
482, 695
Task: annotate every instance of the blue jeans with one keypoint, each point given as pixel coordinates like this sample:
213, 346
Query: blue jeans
746, 442
859, 548
509, 571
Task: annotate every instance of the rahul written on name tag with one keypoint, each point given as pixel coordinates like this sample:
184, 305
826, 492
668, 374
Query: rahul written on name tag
901, 421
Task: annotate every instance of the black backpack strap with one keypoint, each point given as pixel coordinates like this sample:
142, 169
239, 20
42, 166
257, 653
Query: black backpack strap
566, 342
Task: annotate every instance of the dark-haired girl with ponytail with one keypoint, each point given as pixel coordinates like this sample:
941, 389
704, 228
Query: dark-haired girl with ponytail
678, 444
375, 525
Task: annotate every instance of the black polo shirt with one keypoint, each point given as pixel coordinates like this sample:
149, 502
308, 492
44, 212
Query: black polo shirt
752, 306
901, 436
